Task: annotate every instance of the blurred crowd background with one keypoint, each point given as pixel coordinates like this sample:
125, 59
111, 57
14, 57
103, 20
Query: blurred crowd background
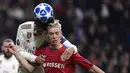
99, 28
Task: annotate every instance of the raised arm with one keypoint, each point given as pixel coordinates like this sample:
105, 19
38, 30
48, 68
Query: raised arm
20, 58
96, 69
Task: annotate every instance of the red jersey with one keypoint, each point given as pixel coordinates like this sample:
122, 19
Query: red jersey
53, 63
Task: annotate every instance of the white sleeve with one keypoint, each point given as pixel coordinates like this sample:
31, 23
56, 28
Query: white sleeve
67, 44
20, 39
28, 56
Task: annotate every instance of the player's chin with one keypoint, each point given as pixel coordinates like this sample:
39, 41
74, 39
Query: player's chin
8, 54
55, 42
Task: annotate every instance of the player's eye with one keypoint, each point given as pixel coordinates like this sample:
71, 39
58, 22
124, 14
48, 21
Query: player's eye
51, 33
57, 33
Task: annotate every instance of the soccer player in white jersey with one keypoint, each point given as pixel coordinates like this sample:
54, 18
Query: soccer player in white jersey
31, 35
8, 62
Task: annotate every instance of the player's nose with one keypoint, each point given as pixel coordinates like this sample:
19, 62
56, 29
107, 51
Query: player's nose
54, 35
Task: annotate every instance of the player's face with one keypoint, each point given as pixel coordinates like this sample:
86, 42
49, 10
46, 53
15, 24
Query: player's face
5, 48
54, 35
38, 31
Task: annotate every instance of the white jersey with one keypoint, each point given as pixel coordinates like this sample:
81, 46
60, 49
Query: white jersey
8, 65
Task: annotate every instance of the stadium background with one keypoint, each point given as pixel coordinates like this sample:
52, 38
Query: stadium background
99, 28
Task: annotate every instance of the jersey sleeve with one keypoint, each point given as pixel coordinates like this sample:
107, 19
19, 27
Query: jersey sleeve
20, 39
81, 61
67, 44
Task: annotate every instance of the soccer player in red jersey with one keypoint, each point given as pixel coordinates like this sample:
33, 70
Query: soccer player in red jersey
52, 53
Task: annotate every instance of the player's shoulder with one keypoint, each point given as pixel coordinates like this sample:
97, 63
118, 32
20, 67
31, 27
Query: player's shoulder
1, 56
26, 25
41, 48
14, 59
63, 46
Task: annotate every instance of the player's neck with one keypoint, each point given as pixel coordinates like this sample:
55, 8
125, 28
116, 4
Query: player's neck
56, 46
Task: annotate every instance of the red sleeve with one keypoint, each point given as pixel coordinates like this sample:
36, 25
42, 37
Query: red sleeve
81, 61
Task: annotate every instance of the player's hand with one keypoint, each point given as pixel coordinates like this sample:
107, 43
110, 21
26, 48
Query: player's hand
40, 59
12, 48
67, 54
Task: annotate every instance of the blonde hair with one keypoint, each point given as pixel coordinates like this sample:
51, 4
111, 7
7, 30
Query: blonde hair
56, 23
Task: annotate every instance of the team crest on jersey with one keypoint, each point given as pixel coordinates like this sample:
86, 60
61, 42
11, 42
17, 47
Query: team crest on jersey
29, 35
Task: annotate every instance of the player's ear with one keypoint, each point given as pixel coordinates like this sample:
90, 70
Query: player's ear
61, 34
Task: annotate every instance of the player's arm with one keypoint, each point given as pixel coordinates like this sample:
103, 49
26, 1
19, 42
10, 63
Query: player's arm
96, 69
20, 39
20, 58
71, 49
81, 61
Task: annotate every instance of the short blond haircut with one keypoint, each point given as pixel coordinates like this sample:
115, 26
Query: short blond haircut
56, 23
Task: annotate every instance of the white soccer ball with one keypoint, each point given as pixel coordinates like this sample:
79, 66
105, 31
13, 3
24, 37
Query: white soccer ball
43, 12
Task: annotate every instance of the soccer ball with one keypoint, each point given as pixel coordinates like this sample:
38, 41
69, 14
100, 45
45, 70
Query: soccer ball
43, 12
